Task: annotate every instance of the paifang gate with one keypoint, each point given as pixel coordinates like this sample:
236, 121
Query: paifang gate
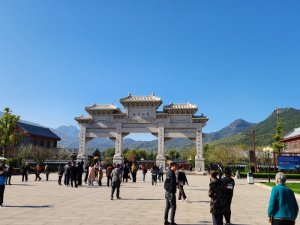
141, 116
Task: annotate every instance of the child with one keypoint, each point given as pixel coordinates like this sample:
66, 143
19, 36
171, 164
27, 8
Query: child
2, 185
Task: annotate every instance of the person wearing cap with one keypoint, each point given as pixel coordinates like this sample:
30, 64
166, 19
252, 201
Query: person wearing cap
283, 208
170, 186
228, 184
116, 176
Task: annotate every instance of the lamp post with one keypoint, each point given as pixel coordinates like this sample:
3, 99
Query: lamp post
268, 150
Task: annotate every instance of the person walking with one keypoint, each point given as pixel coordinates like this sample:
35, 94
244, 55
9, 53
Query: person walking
134, 170
182, 180
116, 176
228, 184
38, 170
109, 169
60, 172
73, 175
86, 171
170, 194
9, 171
47, 171
67, 173
2, 184
144, 172
25, 171
216, 194
283, 208
154, 172
91, 176
100, 176
126, 171
161, 173
79, 166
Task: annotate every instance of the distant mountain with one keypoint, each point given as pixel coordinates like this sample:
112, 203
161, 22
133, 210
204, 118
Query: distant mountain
235, 127
265, 129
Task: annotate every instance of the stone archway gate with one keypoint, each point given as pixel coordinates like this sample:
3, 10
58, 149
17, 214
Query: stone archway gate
141, 116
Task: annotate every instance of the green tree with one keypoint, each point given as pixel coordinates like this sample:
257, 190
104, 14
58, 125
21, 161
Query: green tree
36, 153
8, 134
277, 144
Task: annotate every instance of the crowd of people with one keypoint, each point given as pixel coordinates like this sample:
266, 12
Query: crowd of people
283, 208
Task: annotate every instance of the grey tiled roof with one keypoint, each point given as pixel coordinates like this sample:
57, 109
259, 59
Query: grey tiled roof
180, 106
38, 130
102, 107
294, 133
148, 98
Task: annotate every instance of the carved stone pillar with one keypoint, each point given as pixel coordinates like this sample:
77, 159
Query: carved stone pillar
82, 152
160, 158
118, 158
199, 160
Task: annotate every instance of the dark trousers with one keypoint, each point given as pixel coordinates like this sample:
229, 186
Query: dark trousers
79, 179
227, 210
282, 222
59, 179
47, 176
161, 177
133, 176
2, 188
115, 185
67, 180
73, 181
100, 182
24, 177
170, 204
125, 177
8, 178
37, 176
109, 181
217, 219
85, 177
181, 192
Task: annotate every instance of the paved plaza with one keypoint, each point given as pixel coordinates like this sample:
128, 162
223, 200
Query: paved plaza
47, 203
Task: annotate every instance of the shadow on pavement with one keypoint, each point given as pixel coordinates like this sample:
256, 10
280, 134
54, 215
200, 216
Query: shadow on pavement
28, 206
200, 201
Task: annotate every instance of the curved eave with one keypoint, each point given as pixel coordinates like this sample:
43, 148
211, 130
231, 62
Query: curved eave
82, 119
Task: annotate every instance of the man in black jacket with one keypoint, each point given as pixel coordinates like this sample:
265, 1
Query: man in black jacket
228, 184
170, 195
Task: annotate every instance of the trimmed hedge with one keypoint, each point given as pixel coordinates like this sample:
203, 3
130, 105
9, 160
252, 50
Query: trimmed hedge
272, 175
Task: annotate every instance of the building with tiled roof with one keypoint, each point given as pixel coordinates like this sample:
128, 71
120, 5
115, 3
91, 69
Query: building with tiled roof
148, 100
182, 108
37, 135
292, 141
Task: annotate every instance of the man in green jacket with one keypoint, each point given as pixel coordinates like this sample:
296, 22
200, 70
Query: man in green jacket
283, 208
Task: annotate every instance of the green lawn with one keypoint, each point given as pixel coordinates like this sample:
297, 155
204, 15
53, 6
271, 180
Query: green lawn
294, 186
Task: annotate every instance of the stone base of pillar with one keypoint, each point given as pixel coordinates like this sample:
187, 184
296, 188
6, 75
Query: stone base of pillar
160, 159
118, 159
199, 164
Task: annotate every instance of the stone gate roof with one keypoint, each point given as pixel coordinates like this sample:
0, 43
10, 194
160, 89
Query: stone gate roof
181, 106
102, 107
141, 99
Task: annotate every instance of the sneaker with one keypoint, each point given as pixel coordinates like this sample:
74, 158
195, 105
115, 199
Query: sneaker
186, 200
119, 198
1, 205
167, 223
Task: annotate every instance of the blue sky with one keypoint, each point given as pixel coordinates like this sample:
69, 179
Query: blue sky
234, 59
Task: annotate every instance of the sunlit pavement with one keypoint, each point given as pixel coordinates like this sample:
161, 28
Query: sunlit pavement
41, 202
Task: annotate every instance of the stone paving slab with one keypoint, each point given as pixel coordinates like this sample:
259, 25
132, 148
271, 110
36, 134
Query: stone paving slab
48, 203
